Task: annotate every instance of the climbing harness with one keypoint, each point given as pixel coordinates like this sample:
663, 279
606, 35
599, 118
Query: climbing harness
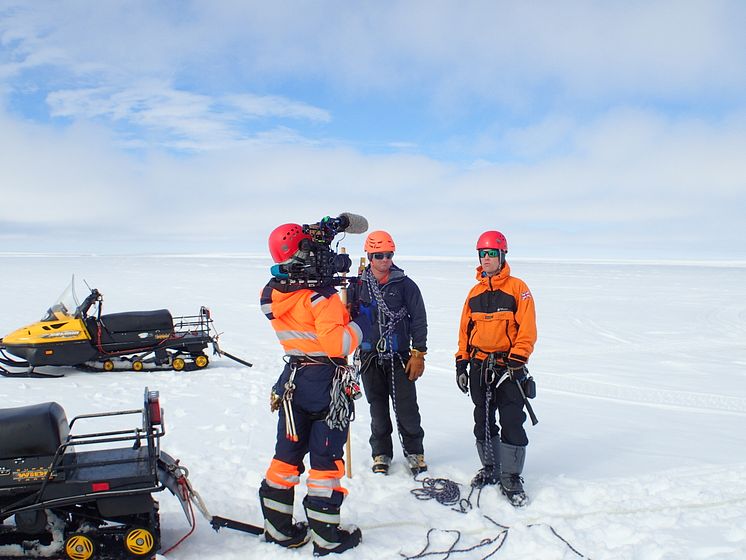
345, 390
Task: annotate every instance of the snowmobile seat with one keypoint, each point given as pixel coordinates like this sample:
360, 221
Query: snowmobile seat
30, 431
138, 321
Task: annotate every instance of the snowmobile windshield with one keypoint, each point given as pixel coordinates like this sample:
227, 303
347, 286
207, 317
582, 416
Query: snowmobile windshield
65, 305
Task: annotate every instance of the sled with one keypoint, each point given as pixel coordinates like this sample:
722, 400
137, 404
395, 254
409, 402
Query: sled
84, 496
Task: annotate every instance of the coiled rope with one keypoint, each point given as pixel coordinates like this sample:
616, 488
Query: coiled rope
345, 389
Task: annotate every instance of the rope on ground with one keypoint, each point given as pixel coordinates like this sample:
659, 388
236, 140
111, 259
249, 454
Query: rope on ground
424, 553
448, 493
444, 491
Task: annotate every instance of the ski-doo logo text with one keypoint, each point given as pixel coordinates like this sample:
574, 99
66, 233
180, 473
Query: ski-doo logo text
34, 474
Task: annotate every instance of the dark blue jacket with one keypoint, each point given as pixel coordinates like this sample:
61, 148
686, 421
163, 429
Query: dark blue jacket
399, 292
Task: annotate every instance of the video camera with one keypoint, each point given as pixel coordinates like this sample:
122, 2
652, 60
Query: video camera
316, 263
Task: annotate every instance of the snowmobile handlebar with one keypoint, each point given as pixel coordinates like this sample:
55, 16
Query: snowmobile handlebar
93, 297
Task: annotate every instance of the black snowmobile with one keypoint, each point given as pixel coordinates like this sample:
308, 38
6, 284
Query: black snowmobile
90, 495
68, 335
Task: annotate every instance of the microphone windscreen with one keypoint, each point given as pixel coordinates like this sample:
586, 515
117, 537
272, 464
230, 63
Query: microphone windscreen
357, 223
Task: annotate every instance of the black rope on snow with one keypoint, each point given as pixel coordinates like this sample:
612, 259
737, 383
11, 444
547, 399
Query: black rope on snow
444, 491
448, 493
556, 534
501, 536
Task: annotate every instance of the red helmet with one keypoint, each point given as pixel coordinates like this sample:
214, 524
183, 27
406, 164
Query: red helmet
284, 241
379, 242
492, 240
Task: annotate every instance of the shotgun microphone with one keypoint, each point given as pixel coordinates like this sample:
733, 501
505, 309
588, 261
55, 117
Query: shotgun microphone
352, 223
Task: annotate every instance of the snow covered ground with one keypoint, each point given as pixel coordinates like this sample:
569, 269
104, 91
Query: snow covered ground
640, 450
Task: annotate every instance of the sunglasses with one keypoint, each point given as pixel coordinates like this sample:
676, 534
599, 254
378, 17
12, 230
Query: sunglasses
493, 253
381, 256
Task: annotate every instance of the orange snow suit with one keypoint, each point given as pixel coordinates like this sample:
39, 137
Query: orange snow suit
310, 322
498, 316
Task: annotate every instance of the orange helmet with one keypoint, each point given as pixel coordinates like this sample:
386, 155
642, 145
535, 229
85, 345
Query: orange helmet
378, 242
284, 241
492, 240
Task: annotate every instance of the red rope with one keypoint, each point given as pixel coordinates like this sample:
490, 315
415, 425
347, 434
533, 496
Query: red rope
185, 493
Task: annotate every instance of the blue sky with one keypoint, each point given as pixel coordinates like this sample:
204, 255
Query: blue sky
579, 129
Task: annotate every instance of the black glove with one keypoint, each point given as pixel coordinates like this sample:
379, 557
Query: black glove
516, 369
462, 376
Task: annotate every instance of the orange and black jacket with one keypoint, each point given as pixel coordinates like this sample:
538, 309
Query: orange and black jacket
498, 316
310, 321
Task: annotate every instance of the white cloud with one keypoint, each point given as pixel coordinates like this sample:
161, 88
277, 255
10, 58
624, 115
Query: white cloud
275, 106
634, 121
658, 185
497, 50
182, 119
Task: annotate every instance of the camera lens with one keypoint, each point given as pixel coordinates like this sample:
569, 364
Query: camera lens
342, 263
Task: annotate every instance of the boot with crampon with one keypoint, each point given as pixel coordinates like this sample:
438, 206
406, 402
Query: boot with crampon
511, 483
489, 455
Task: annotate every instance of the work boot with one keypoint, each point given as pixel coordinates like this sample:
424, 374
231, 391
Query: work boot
381, 464
511, 483
328, 537
417, 463
277, 509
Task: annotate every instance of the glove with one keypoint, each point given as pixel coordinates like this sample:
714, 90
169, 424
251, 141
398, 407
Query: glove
462, 376
516, 369
415, 365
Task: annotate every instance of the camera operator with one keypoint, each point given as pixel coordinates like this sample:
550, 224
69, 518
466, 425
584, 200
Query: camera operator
314, 392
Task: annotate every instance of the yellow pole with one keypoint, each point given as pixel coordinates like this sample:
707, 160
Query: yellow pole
348, 444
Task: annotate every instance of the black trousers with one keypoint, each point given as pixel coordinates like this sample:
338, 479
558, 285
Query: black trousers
505, 399
378, 390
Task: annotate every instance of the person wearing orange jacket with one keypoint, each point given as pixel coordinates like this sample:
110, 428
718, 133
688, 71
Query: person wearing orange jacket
315, 330
497, 334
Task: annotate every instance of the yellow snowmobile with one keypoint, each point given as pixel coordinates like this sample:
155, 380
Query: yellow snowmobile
68, 335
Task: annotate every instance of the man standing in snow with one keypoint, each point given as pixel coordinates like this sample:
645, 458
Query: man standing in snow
497, 334
389, 366
316, 333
